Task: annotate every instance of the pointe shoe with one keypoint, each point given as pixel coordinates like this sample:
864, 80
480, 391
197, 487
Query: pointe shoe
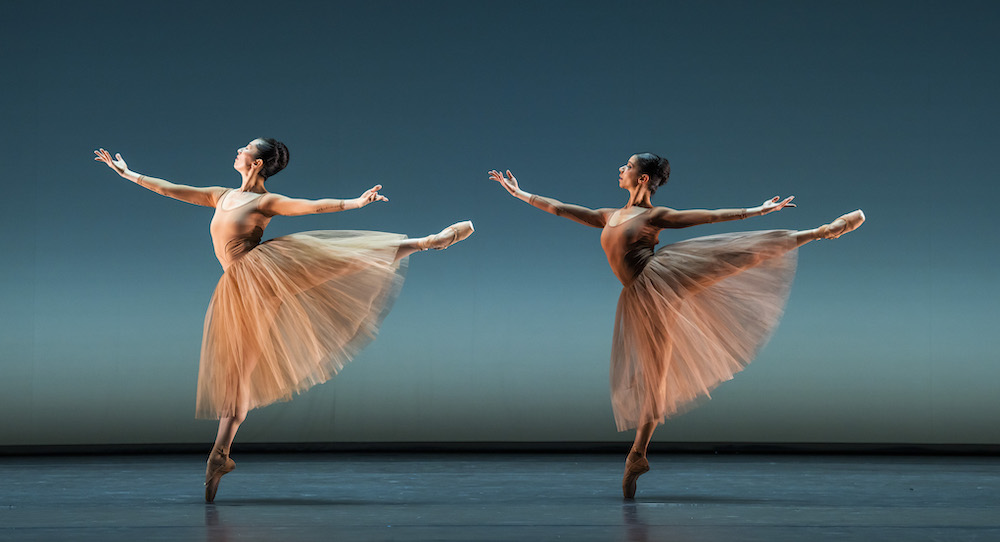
218, 464
448, 236
635, 466
841, 225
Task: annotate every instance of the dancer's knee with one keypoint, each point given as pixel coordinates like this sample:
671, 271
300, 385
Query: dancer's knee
238, 416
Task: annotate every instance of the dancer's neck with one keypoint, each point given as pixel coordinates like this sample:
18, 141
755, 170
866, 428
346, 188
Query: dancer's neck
252, 183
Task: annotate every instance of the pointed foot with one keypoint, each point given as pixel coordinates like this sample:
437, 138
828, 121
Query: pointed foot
635, 466
218, 465
448, 236
843, 224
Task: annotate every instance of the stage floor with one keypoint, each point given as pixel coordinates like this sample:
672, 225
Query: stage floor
520, 497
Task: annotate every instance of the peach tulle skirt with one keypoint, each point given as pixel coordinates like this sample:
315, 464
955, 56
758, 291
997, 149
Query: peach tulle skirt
695, 316
291, 313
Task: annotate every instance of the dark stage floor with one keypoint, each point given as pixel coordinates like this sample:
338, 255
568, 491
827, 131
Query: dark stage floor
522, 497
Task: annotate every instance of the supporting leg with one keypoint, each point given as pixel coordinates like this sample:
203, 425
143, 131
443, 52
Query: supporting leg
642, 437
228, 427
219, 462
635, 463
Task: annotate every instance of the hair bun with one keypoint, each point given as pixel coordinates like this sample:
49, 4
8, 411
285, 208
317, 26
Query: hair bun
656, 167
274, 154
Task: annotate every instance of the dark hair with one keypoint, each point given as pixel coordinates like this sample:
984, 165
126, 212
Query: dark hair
657, 168
274, 154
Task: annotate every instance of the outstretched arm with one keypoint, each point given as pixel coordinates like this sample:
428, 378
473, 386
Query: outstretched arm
664, 217
276, 204
583, 215
205, 196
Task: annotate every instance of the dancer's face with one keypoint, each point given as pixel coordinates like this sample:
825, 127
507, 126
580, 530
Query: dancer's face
628, 174
245, 157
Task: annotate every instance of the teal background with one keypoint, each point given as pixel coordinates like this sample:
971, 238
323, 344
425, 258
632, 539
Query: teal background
890, 335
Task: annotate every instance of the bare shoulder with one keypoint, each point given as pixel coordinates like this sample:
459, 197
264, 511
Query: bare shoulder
605, 213
663, 217
271, 200
273, 196
215, 194
661, 212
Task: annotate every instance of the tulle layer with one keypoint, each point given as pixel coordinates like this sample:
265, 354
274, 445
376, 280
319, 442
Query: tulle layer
695, 316
291, 313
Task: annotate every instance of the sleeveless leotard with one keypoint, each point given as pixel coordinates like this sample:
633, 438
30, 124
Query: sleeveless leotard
290, 312
237, 227
691, 314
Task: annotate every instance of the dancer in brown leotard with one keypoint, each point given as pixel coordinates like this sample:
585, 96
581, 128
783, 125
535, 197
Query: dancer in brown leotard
691, 314
290, 312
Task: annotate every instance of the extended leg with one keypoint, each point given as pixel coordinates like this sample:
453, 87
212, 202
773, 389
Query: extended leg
440, 241
833, 230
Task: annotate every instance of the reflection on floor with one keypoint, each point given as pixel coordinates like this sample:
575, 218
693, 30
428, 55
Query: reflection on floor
521, 497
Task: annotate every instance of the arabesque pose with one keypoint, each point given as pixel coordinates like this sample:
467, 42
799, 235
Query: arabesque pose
691, 314
290, 312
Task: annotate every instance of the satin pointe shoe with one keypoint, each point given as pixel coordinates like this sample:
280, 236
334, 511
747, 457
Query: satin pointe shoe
635, 466
218, 464
841, 225
448, 236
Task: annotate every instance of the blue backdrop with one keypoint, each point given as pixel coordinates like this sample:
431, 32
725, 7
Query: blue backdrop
890, 334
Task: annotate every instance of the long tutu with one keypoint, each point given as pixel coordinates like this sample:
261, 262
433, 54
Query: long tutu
695, 316
291, 313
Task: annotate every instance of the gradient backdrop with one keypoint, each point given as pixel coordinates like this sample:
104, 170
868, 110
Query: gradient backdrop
890, 336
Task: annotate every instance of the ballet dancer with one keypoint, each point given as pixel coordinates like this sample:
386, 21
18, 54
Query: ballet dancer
290, 312
691, 314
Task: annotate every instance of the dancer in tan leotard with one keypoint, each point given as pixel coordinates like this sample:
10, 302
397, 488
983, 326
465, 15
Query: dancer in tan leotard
691, 314
290, 312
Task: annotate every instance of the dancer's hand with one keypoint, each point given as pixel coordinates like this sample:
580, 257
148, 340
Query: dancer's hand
508, 182
117, 163
370, 196
775, 204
